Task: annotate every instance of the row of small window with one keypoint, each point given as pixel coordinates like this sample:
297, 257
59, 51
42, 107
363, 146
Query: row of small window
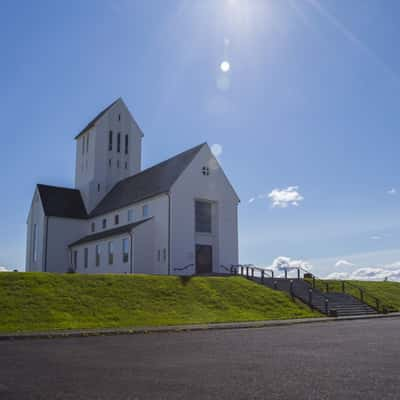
131, 216
110, 254
111, 138
85, 140
118, 163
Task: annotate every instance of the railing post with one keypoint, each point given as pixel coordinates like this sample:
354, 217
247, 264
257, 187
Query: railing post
298, 273
310, 297
343, 290
377, 304
285, 273
247, 272
252, 272
272, 274
275, 285
291, 287
262, 276
313, 282
327, 287
361, 295
326, 306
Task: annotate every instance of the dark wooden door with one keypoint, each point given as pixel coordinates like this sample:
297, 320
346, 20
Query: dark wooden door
203, 259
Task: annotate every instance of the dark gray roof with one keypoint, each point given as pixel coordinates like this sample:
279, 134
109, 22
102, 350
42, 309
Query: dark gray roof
62, 202
108, 233
95, 119
148, 183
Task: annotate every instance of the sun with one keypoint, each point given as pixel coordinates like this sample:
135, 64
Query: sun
225, 66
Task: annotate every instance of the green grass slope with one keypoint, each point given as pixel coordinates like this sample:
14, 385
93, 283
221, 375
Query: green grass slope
43, 301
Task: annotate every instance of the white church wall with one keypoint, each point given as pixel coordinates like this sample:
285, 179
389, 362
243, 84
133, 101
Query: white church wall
36, 217
192, 185
61, 233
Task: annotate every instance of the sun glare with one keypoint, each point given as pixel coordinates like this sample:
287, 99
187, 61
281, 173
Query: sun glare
225, 66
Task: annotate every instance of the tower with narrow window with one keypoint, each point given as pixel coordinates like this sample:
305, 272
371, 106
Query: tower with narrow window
108, 150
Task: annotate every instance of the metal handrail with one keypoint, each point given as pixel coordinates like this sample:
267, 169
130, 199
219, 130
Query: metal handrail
363, 292
183, 268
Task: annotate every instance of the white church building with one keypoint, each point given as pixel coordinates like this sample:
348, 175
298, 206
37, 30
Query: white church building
176, 217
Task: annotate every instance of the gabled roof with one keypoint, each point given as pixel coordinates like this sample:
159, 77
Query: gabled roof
62, 202
148, 183
108, 233
92, 123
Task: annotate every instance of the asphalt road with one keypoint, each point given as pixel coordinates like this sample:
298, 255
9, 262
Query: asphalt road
343, 360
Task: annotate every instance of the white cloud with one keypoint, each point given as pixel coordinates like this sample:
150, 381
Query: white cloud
251, 200
392, 191
216, 149
286, 197
4, 269
376, 237
281, 263
344, 263
390, 272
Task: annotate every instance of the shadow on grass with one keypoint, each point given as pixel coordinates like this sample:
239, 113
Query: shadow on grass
185, 279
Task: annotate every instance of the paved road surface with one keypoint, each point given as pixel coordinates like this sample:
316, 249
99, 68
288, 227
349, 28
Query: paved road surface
343, 360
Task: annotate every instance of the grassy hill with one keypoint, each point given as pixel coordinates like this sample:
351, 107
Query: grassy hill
387, 292
43, 301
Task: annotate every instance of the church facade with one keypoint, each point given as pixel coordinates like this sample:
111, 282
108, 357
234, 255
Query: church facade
176, 217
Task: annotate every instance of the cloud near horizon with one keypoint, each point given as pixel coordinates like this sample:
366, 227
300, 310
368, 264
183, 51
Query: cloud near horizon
4, 269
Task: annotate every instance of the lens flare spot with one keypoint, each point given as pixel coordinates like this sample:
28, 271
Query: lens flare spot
225, 66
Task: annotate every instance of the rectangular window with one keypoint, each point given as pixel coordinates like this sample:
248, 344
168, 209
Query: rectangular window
125, 250
86, 257
75, 259
104, 223
203, 216
126, 164
116, 219
119, 117
34, 243
164, 255
159, 255
126, 144
110, 253
98, 187
93, 228
131, 215
98, 253
119, 142
110, 140
109, 163
145, 210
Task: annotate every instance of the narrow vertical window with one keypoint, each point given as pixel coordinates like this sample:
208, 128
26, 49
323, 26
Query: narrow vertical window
116, 219
203, 216
109, 163
126, 144
98, 187
119, 117
126, 164
145, 210
130, 215
164, 255
93, 227
110, 140
104, 223
119, 142
34, 243
110, 253
86, 252
98, 253
125, 250
159, 255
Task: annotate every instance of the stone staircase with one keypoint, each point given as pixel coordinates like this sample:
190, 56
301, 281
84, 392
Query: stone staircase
335, 304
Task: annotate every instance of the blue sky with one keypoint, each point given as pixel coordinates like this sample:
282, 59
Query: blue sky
311, 102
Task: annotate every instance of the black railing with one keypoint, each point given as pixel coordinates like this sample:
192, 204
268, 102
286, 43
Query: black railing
356, 291
183, 268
